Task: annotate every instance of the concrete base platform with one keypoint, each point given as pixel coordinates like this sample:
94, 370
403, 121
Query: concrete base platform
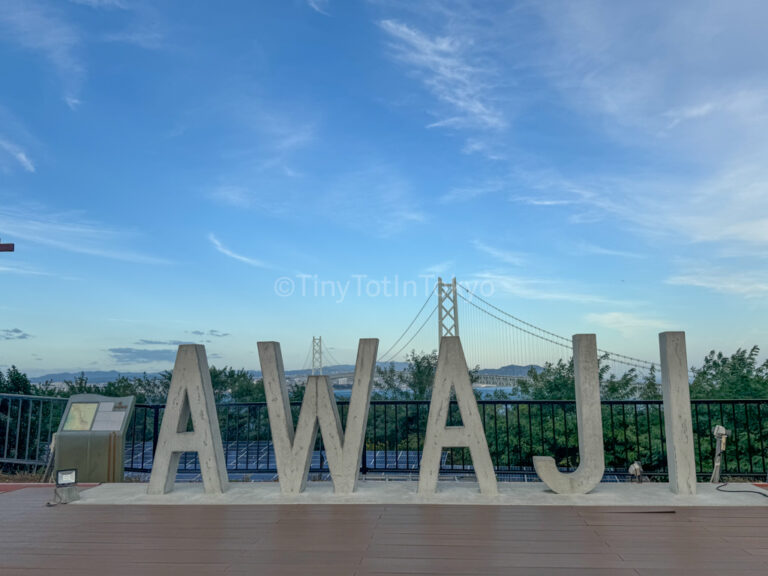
405, 492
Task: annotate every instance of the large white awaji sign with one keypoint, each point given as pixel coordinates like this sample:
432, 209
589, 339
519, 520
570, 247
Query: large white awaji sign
191, 397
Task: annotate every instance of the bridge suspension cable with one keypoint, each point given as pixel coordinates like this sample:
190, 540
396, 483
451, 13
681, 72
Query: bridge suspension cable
550, 340
423, 324
386, 354
327, 353
306, 365
493, 337
539, 333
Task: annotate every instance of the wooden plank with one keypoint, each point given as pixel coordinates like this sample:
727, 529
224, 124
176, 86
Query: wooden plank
375, 540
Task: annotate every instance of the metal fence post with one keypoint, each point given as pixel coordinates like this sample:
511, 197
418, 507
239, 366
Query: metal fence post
155, 429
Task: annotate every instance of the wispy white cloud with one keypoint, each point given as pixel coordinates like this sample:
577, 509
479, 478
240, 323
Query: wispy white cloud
41, 30
490, 146
688, 113
586, 248
286, 204
72, 102
275, 137
17, 154
448, 68
69, 231
227, 252
685, 82
285, 135
538, 288
145, 33
234, 196
541, 201
119, 4
376, 200
689, 67
320, 6
514, 258
546, 187
465, 193
278, 128
726, 207
737, 282
21, 270
439, 268
626, 323
147, 38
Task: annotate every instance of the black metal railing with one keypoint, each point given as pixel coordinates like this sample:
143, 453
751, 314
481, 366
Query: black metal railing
27, 424
516, 430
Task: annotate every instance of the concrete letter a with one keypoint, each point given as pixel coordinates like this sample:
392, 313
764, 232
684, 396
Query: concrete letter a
190, 394
452, 374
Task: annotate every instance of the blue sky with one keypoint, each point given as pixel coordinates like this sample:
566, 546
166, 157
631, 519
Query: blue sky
595, 166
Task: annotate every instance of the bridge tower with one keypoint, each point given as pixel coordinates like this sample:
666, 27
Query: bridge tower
317, 355
447, 309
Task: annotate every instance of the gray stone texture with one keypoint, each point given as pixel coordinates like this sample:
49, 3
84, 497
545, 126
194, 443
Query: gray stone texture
590, 426
678, 424
452, 374
190, 395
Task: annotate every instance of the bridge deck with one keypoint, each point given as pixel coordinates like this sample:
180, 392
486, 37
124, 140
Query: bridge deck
376, 539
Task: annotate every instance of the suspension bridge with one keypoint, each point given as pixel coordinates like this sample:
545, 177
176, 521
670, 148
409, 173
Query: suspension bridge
518, 344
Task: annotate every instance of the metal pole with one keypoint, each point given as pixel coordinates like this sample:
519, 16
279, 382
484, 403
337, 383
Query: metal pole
7, 247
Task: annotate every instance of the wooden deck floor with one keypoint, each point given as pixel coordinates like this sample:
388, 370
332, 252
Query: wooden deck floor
376, 540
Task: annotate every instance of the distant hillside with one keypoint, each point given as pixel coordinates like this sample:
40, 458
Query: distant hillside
340, 369
511, 370
94, 377
104, 376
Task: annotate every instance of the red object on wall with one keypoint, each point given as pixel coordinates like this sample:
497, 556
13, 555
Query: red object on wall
7, 247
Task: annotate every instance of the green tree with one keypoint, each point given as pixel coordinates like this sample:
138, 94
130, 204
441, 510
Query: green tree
553, 382
296, 392
730, 377
648, 388
15, 382
415, 382
146, 389
557, 382
248, 390
621, 387
230, 384
153, 389
420, 374
390, 382
80, 386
